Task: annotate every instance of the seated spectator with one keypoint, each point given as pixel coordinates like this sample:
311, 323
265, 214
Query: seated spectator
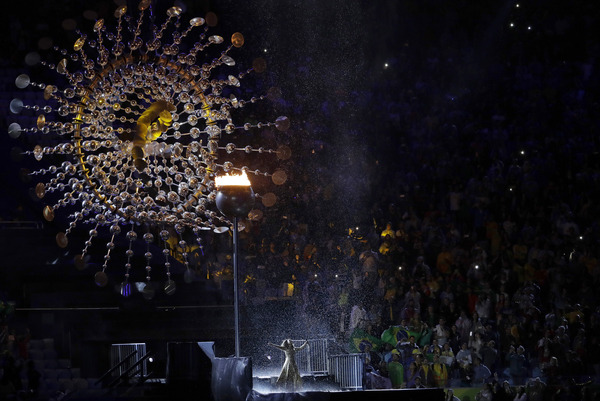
407, 348
418, 383
440, 372
447, 355
358, 317
387, 353
441, 332
520, 394
485, 394
464, 360
536, 389
411, 374
430, 315
372, 357
455, 338
551, 371
396, 370
481, 373
388, 232
410, 310
504, 392
517, 364
475, 343
424, 369
489, 355
385, 247
375, 376
450, 396
422, 332
421, 269
483, 307
464, 326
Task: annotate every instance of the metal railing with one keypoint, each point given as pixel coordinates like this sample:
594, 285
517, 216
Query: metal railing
348, 370
135, 370
115, 367
313, 360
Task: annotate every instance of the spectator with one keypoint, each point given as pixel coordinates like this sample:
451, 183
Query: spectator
376, 377
517, 365
447, 355
551, 370
483, 307
481, 373
450, 396
455, 339
414, 296
433, 349
411, 374
475, 343
418, 383
441, 332
521, 394
388, 351
424, 369
504, 392
421, 269
358, 317
388, 232
464, 361
536, 390
440, 372
396, 370
463, 324
485, 394
489, 355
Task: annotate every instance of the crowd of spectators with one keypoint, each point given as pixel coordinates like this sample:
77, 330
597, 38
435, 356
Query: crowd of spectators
477, 229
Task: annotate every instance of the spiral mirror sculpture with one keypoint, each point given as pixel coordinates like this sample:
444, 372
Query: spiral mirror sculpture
140, 128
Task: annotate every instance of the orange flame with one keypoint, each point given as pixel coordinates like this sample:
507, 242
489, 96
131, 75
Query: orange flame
232, 180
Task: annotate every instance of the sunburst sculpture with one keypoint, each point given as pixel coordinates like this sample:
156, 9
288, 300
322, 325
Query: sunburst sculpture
142, 127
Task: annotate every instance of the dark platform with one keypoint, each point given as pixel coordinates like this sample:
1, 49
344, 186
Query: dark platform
162, 392
365, 395
195, 374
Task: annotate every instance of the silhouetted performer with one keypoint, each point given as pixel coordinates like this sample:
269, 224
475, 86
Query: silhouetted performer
289, 378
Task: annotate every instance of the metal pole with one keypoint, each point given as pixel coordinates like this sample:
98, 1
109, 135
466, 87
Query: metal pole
236, 311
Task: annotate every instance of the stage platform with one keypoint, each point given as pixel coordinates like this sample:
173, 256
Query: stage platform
158, 390
194, 373
324, 388
354, 395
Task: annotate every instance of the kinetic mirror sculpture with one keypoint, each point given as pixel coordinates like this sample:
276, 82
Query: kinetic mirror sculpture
139, 131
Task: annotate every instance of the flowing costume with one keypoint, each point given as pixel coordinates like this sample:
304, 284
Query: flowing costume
289, 378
